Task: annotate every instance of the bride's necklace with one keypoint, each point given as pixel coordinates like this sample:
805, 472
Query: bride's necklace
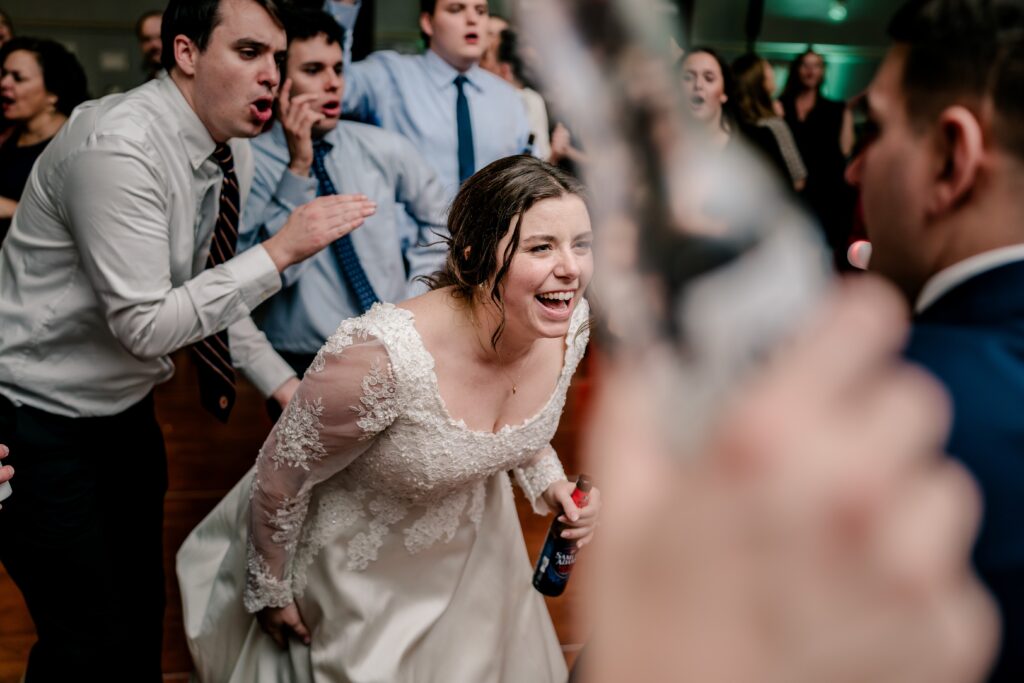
513, 380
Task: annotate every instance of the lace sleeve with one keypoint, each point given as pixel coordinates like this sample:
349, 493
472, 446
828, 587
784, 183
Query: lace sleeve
535, 478
348, 396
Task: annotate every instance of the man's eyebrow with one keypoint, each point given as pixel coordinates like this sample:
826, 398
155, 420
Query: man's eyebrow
251, 43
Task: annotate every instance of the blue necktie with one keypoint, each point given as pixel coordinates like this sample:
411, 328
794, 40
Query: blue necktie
467, 164
344, 251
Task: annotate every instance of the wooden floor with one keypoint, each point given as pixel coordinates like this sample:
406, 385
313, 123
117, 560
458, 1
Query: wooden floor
206, 459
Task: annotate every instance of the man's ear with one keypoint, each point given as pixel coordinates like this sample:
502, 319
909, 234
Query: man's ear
185, 54
426, 24
960, 147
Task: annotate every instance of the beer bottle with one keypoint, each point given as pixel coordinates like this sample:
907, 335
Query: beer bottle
558, 556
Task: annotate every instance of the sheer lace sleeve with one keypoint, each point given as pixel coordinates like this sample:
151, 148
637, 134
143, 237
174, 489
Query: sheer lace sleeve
348, 396
535, 477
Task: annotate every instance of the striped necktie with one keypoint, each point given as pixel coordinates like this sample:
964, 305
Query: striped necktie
351, 269
216, 374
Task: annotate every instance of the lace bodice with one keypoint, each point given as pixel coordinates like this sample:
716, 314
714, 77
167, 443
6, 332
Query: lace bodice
367, 447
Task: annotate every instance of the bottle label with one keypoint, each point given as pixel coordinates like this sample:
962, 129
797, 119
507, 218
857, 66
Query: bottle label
564, 561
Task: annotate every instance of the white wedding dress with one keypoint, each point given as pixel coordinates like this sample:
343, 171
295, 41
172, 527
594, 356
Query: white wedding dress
391, 524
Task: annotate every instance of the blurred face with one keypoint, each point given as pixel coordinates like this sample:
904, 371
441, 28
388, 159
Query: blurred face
495, 25
234, 80
811, 71
149, 42
458, 31
551, 269
5, 31
893, 173
23, 95
704, 87
314, 66
769, 78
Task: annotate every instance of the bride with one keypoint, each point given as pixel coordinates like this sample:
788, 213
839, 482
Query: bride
376, 538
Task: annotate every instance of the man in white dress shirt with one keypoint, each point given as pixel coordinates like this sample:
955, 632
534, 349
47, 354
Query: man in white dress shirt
109, 268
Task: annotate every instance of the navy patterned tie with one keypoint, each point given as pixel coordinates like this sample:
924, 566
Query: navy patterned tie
467, 164
344, 251
216, 374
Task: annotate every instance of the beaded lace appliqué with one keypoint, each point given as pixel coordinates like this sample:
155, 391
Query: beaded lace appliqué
378, 406
262, 588
298, 435
422, 460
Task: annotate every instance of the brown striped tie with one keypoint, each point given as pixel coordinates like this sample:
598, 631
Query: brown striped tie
216, 374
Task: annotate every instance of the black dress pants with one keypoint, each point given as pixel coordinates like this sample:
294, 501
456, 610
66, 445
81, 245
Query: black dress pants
82, 537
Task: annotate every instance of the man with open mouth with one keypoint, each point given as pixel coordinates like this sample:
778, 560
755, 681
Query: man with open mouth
122, 251
309, 152
459, 116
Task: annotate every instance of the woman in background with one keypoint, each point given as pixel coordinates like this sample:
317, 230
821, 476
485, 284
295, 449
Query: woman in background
823, 129
707, 86
40, 83
754, 108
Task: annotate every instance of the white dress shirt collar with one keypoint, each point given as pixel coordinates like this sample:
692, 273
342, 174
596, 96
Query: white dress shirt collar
199, 145
949, 278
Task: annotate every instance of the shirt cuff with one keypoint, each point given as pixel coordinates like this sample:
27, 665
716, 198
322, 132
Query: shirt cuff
294, 190
256, 274
536, 478
268, 372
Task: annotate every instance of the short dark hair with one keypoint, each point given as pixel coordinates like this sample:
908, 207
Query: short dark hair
508, 53
149, 14
5, 18
304, 24
964, 52
491, 200
426, 7
196, 19
63, 75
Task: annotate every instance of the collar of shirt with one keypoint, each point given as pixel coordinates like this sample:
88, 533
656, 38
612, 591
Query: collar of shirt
198, 143
443, 74
948, 278
332, 137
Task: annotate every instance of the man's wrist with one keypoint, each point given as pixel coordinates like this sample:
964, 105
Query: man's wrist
277, 253
300, 168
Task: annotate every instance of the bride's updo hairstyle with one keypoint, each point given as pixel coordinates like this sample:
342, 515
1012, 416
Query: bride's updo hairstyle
490, 201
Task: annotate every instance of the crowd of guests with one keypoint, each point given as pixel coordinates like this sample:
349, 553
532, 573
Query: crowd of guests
433, 203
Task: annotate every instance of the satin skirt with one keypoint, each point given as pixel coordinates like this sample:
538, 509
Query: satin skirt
459, 611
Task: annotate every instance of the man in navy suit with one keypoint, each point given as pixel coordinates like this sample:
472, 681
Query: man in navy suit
942, 186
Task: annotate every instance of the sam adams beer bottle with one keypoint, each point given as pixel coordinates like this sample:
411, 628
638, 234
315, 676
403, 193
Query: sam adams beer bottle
559, 554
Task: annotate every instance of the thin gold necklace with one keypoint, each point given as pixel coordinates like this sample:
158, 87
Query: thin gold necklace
514, 381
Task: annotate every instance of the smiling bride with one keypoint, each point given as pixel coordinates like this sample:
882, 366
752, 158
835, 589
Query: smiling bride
376, 537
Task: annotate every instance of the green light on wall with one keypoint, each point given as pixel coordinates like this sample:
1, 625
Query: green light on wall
837, 11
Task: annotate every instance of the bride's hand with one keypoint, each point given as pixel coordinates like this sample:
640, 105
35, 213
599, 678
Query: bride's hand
581, 522
279, 622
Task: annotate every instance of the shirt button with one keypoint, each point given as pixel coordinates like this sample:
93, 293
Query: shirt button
223, 402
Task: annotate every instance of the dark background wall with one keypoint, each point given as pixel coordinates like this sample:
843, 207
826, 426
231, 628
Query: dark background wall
100, 32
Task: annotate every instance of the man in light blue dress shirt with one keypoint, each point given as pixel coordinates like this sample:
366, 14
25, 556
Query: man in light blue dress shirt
358, 160
416, 95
